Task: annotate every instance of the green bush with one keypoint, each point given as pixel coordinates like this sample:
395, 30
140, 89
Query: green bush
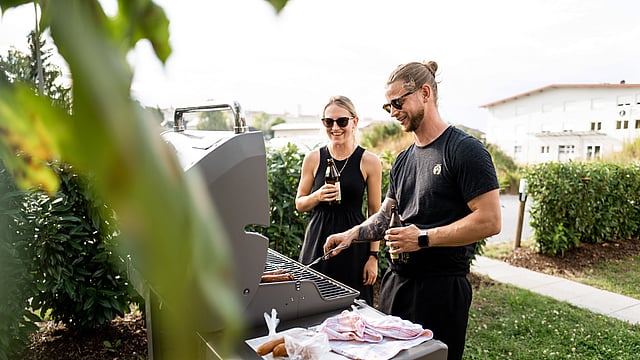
72, 244
507, 170
379, 134
583, 202
287, 228
386, 158
16, 322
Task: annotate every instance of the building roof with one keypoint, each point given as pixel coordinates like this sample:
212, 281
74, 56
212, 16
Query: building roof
560, 86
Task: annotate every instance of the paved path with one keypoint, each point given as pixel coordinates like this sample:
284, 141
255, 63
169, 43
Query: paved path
587, 297
510, 206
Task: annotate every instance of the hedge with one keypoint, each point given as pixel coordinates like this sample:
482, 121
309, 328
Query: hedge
582, 202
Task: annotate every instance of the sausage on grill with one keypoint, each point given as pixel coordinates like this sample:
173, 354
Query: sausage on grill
276, 278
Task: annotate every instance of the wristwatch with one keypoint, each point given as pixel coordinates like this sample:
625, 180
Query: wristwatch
423, 239
374, 254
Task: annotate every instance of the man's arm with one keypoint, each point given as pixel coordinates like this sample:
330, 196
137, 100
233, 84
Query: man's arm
484, 220
371, 229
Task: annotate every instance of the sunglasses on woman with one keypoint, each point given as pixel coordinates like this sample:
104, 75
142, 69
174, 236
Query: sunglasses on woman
341, 121
397, 102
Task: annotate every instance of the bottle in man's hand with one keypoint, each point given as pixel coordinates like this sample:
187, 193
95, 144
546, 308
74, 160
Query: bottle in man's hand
396, 258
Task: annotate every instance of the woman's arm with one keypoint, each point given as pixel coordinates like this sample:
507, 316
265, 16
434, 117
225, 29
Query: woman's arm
373, 169
305, 200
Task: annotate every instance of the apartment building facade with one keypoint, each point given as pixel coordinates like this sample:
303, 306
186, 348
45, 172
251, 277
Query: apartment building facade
578, 122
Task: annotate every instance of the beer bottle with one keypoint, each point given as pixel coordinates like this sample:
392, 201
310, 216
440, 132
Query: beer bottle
332, 176
396, 222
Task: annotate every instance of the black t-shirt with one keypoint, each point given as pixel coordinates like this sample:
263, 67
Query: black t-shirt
432, 185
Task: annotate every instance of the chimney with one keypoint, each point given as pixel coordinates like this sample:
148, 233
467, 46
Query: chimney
622, 82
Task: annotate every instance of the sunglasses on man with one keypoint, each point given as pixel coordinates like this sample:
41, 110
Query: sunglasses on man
397, 102
341, 121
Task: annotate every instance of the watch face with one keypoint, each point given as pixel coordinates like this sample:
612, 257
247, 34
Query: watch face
423, 239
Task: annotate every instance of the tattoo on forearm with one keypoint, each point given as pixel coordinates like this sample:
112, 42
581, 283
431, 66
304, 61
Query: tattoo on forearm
373, 229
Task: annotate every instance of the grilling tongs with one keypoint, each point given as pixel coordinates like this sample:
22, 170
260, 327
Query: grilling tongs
325, 256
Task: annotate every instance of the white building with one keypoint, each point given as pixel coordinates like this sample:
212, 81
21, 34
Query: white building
565, 122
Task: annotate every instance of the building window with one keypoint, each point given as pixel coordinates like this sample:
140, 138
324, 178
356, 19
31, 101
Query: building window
638, 124
544, 149
593, 152
566, 149
625, 124
595, 126
619, 124
517, 149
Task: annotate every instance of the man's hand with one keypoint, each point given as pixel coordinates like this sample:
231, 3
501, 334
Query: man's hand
402, 239
340, 241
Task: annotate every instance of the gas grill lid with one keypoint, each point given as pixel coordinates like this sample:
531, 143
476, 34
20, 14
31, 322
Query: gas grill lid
234, 168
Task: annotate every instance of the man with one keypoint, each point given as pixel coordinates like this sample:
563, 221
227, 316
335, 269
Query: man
447, 193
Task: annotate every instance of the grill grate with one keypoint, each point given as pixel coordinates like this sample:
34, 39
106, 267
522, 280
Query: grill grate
329, 289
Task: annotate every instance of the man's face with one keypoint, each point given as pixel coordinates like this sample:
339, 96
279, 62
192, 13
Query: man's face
404, 106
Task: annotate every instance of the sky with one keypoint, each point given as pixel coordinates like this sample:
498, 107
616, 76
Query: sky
294, 61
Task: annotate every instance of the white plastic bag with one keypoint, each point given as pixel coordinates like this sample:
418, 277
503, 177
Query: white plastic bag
303, 344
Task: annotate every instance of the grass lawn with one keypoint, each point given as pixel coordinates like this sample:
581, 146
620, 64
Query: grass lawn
510, 323
618, 276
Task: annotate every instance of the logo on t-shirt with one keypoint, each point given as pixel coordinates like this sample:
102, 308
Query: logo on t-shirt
437, 169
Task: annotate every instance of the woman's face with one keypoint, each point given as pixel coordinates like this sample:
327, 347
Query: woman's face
336, 133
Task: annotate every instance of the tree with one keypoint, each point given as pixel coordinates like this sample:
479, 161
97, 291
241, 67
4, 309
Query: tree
18, 67
263, 122
36, 72
213, 120
144, 186
15, 67
16, 322
154, 113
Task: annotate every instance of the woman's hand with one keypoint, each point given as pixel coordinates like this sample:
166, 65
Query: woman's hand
328, 192
370, 272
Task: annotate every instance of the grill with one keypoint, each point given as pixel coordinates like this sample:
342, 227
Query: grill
310, 293
328, 289
233, 164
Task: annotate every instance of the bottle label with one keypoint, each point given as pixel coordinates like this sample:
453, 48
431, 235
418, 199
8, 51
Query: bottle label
339, 197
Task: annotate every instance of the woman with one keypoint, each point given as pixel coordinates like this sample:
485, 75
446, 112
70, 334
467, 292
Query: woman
356, 266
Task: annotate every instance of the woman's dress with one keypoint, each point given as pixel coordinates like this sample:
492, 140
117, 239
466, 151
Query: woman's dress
326, 219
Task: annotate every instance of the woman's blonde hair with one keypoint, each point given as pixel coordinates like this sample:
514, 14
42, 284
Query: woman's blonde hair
343, 102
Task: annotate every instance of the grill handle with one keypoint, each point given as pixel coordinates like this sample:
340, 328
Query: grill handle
239, 119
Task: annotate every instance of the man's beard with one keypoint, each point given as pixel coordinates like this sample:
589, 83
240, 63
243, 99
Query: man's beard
413, 121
